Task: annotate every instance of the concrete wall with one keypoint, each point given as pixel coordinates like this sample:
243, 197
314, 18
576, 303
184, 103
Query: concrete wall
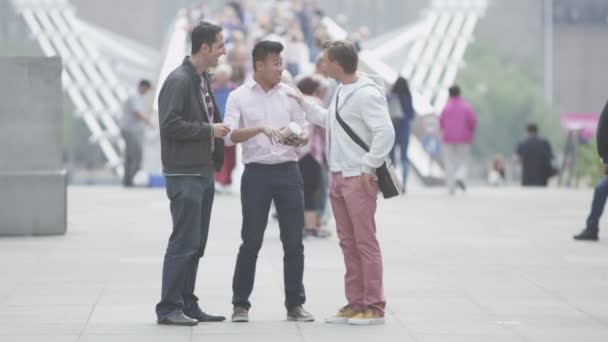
579, 51
31, 115
32, 179
580, 68
516, 26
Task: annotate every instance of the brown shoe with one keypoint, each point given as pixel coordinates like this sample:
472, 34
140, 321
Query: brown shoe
367, 317
342, 316
298, 314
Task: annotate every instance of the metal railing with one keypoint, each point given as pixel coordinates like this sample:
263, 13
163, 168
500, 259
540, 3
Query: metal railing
87, 78
432, 51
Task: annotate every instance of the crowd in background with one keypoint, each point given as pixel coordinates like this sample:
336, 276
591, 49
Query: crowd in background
299, 26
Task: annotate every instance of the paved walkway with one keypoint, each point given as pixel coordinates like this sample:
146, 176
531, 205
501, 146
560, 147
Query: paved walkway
494, 265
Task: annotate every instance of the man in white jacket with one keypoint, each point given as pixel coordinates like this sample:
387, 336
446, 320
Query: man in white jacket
362, 105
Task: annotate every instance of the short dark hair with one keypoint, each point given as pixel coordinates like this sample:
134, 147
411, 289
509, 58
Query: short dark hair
263, 48
145, 83
308, 85
454, 91
532, 128
344, 53
402, 87
204, 33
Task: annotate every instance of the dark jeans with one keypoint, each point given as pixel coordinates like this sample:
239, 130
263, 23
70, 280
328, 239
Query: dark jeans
311, 174
260, 185
402, 139
133, 155
191, 200
597, 206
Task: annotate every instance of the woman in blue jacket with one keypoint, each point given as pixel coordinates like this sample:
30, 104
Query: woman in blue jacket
402, 114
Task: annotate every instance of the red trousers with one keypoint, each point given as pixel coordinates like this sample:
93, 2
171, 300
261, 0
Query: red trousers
224, 177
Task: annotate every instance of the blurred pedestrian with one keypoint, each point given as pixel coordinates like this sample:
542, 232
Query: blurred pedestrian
222, 87
296, 53
311, 163
497, 175
536, 156
402, 113
458, 123
132, 127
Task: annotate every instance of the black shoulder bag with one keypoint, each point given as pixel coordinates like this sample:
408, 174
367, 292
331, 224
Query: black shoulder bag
388, 181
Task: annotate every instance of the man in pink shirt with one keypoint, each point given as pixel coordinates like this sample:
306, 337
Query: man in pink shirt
458, 122
257, 111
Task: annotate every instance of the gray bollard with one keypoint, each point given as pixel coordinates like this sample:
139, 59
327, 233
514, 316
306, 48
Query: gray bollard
33, 189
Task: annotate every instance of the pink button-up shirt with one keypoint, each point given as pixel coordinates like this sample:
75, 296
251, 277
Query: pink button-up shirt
249, 106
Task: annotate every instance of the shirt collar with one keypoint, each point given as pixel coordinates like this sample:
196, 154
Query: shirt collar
190, 66
252, 84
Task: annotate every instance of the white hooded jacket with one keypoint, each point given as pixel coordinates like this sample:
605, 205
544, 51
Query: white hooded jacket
362, 105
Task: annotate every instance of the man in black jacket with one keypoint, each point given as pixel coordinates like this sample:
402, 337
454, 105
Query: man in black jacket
535, 155
601, 190
191, 150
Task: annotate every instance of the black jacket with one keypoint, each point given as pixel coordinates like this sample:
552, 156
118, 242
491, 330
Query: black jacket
536, 155
602, 135
185, 131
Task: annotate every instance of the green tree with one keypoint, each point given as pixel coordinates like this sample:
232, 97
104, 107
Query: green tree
506, 97
589, 164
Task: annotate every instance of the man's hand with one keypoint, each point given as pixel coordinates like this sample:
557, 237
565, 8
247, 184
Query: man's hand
368, 183
304, 139
220, 130
292, 141
295, 94
274, 134
298, 141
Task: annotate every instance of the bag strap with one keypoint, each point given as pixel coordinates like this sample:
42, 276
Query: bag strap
346, 127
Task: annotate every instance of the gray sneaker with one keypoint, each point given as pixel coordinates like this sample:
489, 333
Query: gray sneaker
240, 314
298, 314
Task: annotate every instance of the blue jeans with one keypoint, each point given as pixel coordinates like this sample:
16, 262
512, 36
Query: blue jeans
597, 205
191, 199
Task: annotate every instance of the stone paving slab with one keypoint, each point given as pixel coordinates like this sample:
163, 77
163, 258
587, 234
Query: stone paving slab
492, 265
